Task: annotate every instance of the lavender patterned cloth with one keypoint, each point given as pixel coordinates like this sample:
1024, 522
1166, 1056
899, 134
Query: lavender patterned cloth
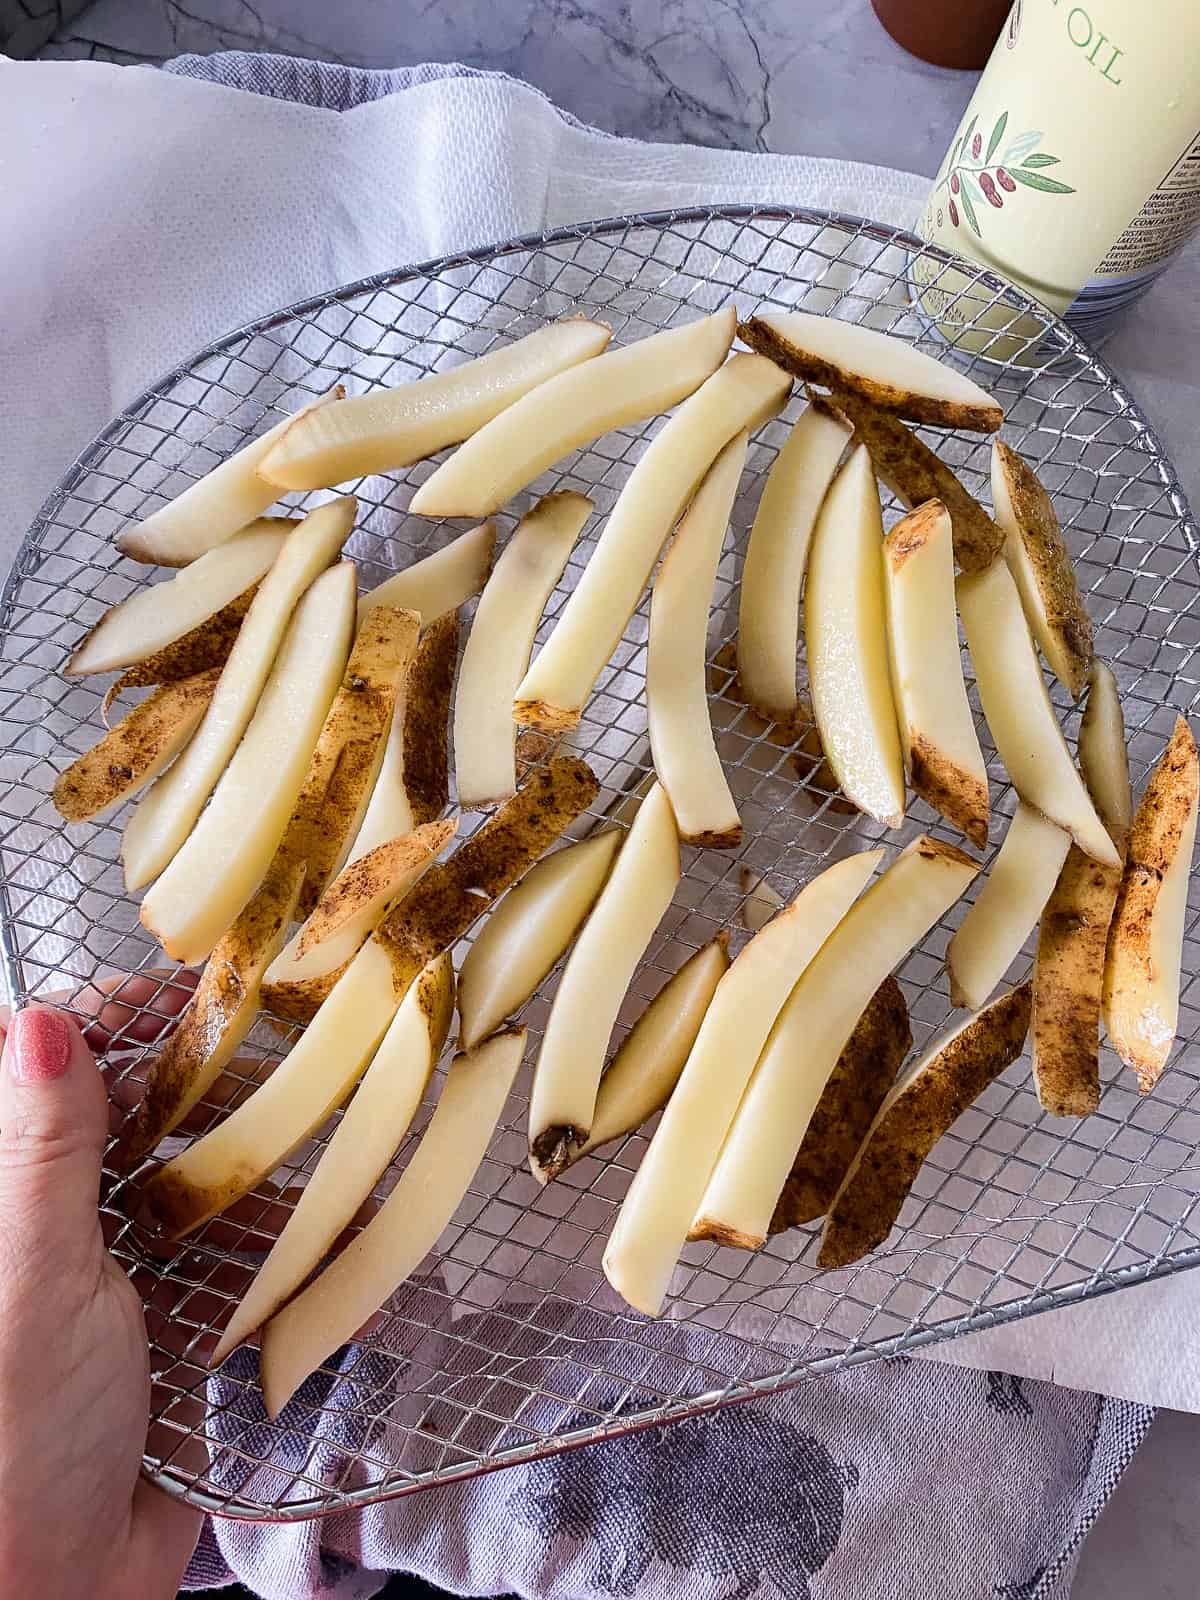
897, 1479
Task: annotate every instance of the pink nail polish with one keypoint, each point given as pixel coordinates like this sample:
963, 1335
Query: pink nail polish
39, 1046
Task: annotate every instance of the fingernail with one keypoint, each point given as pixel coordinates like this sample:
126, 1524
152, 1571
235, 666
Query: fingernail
39, 1046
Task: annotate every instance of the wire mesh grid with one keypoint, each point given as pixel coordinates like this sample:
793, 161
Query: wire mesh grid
509, 1344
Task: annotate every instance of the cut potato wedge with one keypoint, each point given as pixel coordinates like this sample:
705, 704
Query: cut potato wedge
571, 410
1145, 944
350, 748
653, 1222
363, 1143
613, 940
846, 636
182, 611
498, 646
165, 815
219, 1015
681, 735
639, 1079
1007, 908
1039, 560
136, 750
915, 474
229, 850
1019, 713
761, 901
442, 581
1068, 976
937, 732
206, 646
391, 428
866, 1070
746, 390
396, 1240
326, 1062
1103, 757
218, 505
527, 933
776, 556
924, 1105
346, 915
811, 1032
889, 372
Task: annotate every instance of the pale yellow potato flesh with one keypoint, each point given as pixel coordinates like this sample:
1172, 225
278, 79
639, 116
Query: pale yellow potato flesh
154, 618
1039, 560
1007, 907
681, 735
622, 386
937, 731
1103, 756
227, 853
640, 1077
1145, 942
166, 814
366, 1138
528, 931
326, 1062
220, 1014
442, 581
134, 750
612, 941
405, 1229
739, 395
1017, 706
668, 1186
889, 372
811, 1032
216, 506
845, 633
496, 657
776, 558
390, 428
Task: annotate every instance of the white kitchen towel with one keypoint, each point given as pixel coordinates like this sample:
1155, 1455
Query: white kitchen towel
144, 213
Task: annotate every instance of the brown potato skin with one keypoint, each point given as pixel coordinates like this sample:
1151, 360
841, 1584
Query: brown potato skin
385, 870
130, 751
207, 645
1067, 982
1154, 840
899, 402
913, 472
427, 719
865, 1071
870, 1198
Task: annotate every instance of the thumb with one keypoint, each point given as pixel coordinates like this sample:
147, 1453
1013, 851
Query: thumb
52, 1129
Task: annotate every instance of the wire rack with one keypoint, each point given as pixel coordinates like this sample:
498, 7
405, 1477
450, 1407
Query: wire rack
508, 1345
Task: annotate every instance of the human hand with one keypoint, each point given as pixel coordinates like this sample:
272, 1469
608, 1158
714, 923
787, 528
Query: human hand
76, 1519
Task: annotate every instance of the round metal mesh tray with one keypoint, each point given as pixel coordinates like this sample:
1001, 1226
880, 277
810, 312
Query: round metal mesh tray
508, 1343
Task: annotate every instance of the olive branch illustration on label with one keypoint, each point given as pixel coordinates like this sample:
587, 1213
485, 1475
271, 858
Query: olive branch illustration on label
974, 175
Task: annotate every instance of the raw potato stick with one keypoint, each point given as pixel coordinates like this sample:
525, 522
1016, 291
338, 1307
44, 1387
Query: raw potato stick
135, 750
404, 1230
442, 581
391, 428
681, 736
216, 506
498, 646
888, 372
866, 1070
926, 1102
572, 410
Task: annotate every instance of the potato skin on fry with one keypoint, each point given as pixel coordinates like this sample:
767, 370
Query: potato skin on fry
913, 472
883, 1172
865, 1072
427, 719
133, 751
207, 645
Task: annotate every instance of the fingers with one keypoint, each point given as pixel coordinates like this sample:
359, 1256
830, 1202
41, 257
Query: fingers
52, 1129
124, 1009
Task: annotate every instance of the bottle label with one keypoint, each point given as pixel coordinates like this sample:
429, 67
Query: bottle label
1167, 220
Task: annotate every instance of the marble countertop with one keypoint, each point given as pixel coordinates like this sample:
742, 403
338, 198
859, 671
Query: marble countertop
780, 75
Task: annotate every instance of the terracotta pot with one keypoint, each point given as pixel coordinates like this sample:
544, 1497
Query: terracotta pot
948, 33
